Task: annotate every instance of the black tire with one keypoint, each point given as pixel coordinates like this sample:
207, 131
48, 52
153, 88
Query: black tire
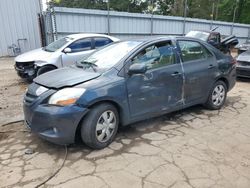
211, 101
45, 69
89, 132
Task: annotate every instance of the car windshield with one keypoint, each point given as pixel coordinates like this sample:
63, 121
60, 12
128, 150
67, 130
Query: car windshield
108, 56
198, 34
52, 47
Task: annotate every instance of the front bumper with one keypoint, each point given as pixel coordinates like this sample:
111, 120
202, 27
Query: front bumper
25, 71
243, 71
54, 123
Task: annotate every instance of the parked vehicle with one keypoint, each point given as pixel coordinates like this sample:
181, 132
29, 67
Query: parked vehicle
63, 52
244, 47
214, 38
243, 64
126, 82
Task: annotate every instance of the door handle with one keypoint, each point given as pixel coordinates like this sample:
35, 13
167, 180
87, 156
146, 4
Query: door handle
176, 74
211, 66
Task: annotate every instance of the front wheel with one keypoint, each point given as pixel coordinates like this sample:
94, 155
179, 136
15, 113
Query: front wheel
100, 126
217, 96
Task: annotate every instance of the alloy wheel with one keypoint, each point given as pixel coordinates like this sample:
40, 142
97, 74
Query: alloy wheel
218, 95
105, 126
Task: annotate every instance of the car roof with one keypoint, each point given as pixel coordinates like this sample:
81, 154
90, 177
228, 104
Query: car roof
206, 31
167, 37
85, 35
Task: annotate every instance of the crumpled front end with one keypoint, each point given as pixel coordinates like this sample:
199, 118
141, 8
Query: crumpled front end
56, 124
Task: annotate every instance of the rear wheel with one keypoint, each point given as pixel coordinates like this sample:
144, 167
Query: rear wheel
45, 69
217, 96
100, 126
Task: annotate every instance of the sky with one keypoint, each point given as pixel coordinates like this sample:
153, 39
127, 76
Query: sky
44, 4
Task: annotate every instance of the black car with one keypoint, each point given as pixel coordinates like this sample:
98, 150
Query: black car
243, 65
126, 82
223, 43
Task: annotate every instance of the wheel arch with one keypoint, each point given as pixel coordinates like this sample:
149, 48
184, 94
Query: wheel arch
49, 65
114, 103
223, 79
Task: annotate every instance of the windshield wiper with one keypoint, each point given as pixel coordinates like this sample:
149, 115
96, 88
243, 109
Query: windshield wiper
90, 64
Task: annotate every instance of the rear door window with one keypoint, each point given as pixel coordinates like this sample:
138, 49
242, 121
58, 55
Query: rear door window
101, 41
192, 50
80, 45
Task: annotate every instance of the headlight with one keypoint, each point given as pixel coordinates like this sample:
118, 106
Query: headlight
40, 90
66, 96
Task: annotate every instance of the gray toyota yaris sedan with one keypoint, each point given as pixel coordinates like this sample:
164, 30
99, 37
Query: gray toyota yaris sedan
125, 82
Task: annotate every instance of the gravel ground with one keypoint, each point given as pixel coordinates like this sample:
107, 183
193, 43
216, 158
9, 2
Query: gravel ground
190, 148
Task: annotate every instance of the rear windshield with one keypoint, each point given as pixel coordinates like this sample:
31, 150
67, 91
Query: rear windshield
218, 54
198, 34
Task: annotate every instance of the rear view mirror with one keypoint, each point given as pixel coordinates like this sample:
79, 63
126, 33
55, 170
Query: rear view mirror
137, 68
67, 50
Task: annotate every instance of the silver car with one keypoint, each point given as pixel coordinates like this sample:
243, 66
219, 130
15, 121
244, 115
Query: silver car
63, 52
243, 64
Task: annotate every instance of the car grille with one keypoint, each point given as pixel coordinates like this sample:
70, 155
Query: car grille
243, 72
29, 98
243, 63
21, 65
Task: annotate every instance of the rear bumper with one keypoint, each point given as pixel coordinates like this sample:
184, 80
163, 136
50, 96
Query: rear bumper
243, 71
54, 123
232, 78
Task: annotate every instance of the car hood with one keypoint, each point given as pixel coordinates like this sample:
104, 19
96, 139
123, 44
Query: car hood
245, 56
65, 77
34, 55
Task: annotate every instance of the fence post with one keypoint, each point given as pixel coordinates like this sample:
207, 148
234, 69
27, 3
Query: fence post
108, 18
232, 28
151, 25
184, 26
249, 33
185, 16
54, 26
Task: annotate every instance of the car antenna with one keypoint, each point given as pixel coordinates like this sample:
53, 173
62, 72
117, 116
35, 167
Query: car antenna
214, 28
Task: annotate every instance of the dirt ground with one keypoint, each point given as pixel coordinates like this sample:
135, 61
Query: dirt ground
190, 148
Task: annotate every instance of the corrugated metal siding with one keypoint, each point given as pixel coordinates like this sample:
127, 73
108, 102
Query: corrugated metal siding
127, 25
18, 20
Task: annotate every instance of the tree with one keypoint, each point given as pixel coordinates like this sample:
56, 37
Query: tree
223, 9
117, 5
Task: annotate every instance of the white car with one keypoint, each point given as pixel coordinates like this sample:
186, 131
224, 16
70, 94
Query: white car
60, 53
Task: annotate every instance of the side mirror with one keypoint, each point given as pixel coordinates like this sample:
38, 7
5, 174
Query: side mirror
67, 50
213, 42
137, 68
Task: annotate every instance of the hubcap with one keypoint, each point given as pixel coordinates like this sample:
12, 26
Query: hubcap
105, 126
218, 95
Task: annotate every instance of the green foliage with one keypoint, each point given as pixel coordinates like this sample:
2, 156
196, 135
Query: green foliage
117, 5
242, 11
200, 9
223, 9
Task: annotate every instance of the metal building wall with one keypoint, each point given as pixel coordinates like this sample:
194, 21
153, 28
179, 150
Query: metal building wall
19, 20
125, 25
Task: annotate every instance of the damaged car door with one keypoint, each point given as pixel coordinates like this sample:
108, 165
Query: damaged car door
155, 79
200, 70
